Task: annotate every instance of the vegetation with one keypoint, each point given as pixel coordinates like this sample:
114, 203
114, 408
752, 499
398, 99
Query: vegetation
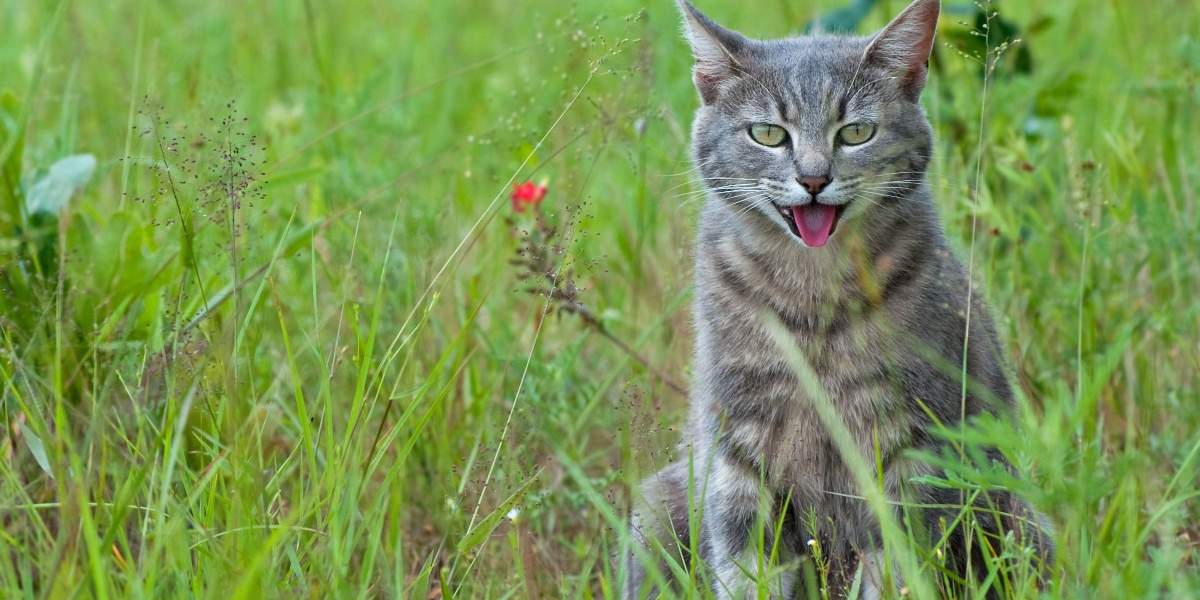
270, 340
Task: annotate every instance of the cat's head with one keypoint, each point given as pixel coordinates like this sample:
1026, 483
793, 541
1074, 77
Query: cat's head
812, 131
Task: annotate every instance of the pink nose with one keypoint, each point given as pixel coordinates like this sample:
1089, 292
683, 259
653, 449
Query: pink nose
814, 185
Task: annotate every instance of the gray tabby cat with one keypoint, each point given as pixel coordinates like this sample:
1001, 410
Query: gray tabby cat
814, 151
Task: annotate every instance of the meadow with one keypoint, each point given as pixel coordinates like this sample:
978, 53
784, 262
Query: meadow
269, 334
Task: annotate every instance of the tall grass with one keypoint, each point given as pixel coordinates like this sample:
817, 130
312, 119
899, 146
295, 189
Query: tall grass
330, 382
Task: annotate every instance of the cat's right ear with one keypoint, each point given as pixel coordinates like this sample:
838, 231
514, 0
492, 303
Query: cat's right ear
716, 51
903, 46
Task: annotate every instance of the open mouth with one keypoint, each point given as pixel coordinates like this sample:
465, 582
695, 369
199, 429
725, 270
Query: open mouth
813, 222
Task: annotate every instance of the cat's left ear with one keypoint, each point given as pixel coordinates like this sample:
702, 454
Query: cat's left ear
903, 46
717, 51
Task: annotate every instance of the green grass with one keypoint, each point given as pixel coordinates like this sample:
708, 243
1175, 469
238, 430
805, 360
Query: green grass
337, 387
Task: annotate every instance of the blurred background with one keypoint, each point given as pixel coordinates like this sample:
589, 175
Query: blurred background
275, 320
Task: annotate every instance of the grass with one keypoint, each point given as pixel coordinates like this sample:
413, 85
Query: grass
276, 347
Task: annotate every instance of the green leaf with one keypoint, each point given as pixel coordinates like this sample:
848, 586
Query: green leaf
50, 194
37, 448
488, 524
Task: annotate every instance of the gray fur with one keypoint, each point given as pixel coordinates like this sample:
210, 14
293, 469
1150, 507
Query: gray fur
874, 311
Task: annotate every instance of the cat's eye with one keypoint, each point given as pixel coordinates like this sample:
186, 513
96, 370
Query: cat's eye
856, 133
767, 134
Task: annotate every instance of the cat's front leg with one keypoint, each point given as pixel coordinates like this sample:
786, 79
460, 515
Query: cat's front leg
735, 515
876, 582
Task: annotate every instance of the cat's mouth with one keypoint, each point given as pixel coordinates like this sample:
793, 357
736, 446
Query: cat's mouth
813, 223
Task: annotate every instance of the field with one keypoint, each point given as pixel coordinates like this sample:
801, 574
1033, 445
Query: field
279, 341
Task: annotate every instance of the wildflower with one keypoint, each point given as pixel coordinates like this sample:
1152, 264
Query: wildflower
528, 194
283, 117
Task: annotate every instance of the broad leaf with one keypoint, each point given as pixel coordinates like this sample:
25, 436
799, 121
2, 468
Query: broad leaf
50, 194
37, 448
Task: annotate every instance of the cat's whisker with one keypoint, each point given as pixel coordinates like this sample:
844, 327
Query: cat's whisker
741, 196
881, 194
908, 185
725, 188
891, 176
694, 168
704, 191
725, 193
695, 200
718, 189
873, 199
691, 201
900, 189
700, 182
886, 178
744, 196
903, 185
751, 203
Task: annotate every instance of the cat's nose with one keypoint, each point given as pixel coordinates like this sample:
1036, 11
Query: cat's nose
814, 185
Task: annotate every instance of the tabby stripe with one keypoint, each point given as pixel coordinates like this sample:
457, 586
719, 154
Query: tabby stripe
710, 237
745, 381
738, 453
764, 411
903, 274
732, 279
864, 378
782, 107
842, 317
853, 304
800, 324
736, 523
819, 361
759, 261
879, 245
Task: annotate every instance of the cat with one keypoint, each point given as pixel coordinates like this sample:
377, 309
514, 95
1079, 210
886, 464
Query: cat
818, 219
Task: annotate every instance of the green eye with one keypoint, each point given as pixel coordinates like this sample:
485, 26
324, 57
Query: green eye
767, 134
856, 133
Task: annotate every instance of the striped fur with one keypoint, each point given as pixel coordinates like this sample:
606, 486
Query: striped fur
880, 312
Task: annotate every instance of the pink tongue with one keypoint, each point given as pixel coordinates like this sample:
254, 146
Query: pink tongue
815, 222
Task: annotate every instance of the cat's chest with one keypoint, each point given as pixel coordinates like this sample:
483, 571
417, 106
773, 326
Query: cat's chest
768, 409
780, 400
777, 429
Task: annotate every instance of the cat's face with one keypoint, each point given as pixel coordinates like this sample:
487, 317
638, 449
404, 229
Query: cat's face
811, 132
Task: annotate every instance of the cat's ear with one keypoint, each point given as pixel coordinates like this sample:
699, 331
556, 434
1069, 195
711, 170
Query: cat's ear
716, 51
903, 46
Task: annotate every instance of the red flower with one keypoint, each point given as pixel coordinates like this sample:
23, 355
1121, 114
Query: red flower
528, 194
